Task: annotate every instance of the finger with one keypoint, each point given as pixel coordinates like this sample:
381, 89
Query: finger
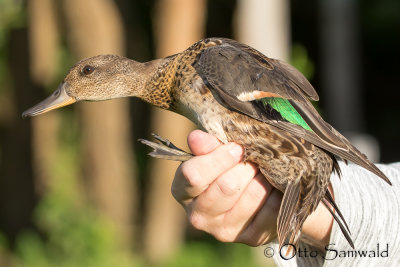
230, 226
201, 143
196, 174
245, 209
225, 191
262, 228
251, 201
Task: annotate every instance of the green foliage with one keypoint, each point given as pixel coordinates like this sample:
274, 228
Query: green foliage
83, 241
75, 234
198, 254
12, 15
301, 61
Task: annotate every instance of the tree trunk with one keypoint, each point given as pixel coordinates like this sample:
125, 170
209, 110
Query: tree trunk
265, 25
178, 24
95, 27
341, 72
17, 196
43, 47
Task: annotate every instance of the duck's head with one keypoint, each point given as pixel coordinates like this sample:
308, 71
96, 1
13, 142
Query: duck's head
95, 79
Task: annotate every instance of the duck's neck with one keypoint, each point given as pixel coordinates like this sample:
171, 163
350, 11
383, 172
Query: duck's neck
154, 83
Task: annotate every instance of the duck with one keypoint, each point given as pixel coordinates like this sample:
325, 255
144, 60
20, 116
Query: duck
237, 94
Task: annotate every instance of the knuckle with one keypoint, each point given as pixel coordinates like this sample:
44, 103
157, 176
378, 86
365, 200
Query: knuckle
222, 158
225, 234
191, 175
197, 220
204, 204
228, 187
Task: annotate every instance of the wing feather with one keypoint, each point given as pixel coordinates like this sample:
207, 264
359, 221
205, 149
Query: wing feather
235, 72
287, 213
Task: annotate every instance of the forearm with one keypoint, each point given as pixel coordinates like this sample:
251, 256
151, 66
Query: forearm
371, 209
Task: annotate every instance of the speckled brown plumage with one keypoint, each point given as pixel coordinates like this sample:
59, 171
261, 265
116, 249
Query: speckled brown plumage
237, 94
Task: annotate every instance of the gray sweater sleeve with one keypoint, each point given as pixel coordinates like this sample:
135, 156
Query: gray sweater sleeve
371, 208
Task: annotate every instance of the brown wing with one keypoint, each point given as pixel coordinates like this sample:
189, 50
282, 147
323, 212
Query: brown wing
239, 75
289, 222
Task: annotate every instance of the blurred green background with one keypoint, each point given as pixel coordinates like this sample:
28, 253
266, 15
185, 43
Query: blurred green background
76, 189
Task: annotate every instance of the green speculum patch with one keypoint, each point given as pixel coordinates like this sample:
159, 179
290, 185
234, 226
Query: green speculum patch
287, 111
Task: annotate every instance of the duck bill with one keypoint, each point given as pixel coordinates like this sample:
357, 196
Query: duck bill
58, 99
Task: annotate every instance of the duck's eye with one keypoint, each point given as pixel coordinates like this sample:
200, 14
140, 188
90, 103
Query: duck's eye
87, 70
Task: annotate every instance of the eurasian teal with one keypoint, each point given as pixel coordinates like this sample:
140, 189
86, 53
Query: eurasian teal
238, 95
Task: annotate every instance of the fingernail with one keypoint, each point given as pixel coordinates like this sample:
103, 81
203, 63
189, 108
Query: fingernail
236, 151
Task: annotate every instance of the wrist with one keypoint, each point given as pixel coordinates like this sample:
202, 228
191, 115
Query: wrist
318, 226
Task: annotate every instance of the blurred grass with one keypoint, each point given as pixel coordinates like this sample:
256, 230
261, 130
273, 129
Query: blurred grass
70, 232
199, 254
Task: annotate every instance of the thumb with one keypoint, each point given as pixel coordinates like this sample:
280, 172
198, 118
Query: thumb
201, 143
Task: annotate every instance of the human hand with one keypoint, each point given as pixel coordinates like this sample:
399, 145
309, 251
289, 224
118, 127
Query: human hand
232, 200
